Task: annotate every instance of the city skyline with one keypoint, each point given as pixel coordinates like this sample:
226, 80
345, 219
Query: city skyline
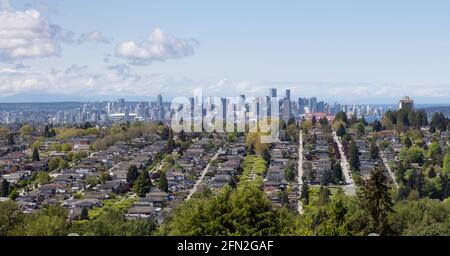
379, 53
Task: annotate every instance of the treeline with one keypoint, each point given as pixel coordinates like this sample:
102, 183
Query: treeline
126, 131
402, 120
247, 211
52, 221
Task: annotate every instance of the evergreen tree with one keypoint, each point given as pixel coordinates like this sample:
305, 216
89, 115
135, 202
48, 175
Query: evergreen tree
291, 121
305, 194
336, 223
407, 142
289, 173
337, 171
165, 133
376, 202
342, 116
132, 174
46, 131
251, 149
444, 183
170, 142
432, 129
266, 155
374, 151
314, 120
163, 184
284, 198
377, 126
182, 136
353, 156
4, 188
84, 215
341, 130
35, 156
10, 139
324, 196
143, 184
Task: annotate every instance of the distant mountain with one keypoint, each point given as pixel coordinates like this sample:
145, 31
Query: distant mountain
444, 109
38, 96
28, 97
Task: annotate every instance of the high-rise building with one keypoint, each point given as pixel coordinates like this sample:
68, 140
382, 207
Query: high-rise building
286, 110
159, 100
288, 94
406, 103
302, 103
313, 105
121, 104
273, 92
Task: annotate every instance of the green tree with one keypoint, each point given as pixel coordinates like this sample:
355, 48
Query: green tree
53, 164
66, 147
43, 178
289, 172
50, 221
376, 202
25, 130
374, 151
434, 152
407, 142
10, 216
163, 184
4, 188
284, 198
63, 164
46, 131
444, 184
165, 133
35, 156
266, 155
353, 156
143, 184
245, 211
446, 165
377, 126
305, 194
10, 139
324, 196
336, 223
84, 215
132, 174
439, 121
340, 130
360, 129
342, 116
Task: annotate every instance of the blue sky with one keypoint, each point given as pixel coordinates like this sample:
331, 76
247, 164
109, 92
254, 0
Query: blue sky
347, 51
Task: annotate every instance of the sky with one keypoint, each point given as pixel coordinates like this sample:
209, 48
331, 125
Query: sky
346, 51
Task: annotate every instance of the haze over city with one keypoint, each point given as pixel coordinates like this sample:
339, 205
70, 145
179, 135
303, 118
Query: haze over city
365, 52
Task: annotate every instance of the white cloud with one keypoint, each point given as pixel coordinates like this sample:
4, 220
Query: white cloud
159, 47
78, 80
94, 36
5, 5
121, 80
26, 34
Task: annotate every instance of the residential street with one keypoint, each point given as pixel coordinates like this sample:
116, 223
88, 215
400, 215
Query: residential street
300, 172
349, 188
200, 179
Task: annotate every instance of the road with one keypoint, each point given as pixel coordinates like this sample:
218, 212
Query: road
300, 172
202, 176
350, 187
388, 167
